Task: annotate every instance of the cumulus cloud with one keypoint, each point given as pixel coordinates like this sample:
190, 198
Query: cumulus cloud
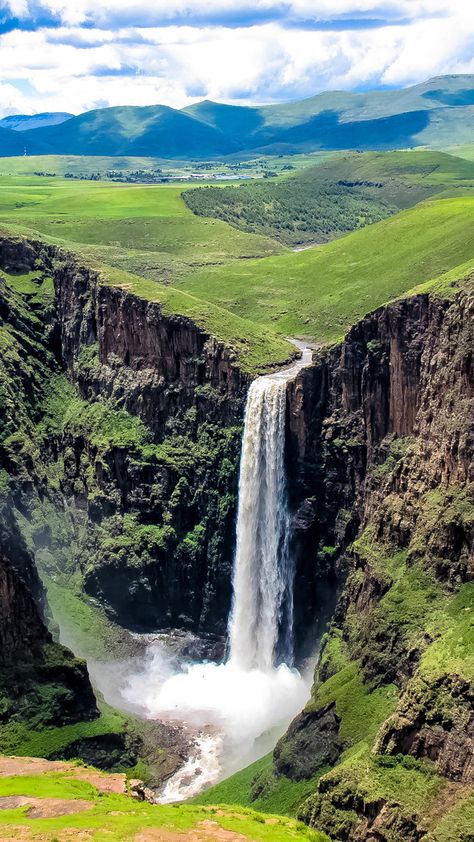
91, 54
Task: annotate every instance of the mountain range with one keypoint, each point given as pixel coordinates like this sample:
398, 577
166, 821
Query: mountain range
23, 122
434, 113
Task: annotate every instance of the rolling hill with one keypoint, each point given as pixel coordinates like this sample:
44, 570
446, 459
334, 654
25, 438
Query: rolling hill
436, 113
13, 143
320, 292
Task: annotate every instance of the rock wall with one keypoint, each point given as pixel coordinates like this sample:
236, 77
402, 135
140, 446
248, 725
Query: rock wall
403, 371
41, 683
381, 433
152, 362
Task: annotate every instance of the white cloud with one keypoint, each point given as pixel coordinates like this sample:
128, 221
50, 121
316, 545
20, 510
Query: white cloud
76, 68
100, 10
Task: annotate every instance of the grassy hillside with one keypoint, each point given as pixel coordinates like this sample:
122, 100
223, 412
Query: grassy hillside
75, 164
454, 90
465, 150
350, 106
138, 228
13, 143
319, 293
340, 195
421, 114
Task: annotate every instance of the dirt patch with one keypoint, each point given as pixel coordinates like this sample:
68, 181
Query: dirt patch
10, 766
22, 833
205, 831
44, 808
102, 781
212, 830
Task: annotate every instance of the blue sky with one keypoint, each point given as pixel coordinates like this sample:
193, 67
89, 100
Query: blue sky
73, 56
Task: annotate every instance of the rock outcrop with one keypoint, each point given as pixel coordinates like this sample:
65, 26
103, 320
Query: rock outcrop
403, 372
41, 683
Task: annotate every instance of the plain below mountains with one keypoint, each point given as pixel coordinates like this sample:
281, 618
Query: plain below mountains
436, 113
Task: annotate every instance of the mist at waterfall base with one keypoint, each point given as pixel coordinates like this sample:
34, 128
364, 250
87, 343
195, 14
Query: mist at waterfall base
237, 713
235, 704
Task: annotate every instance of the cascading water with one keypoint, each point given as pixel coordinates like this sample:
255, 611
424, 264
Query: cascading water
261, 616
233, 704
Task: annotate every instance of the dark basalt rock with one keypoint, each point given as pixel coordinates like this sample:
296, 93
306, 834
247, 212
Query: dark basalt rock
310, 743
398, 374
380, 428
402, 375
40, 681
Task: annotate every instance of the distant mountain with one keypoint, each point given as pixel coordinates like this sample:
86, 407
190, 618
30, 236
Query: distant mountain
154, 130
425, 114
24, 122
435, 113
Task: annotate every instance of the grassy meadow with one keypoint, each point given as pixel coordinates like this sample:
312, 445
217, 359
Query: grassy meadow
339, 195
247, 289
321, 292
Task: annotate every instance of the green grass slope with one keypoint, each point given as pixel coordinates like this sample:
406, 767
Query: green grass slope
245, 288
455, 90
255, 786
321, 292
464, 150
128, 220
78, 165
148, 231
237, 285
13, 143
428, 113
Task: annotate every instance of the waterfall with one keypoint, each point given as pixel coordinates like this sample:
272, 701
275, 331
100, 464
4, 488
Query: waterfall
263, 575
261, 622
236, 705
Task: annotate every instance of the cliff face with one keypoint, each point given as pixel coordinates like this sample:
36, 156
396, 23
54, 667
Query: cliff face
145, 448
381, 432
159, 361
187, 390
41, 683
404, 371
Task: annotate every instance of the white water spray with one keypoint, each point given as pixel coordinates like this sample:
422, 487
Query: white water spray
256, 690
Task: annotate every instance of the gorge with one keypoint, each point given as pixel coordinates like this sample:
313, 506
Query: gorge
119, 472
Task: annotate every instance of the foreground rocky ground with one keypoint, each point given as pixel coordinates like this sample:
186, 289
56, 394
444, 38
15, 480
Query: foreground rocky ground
56, 801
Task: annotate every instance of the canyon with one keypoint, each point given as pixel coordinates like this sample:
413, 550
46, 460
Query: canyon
120, 445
